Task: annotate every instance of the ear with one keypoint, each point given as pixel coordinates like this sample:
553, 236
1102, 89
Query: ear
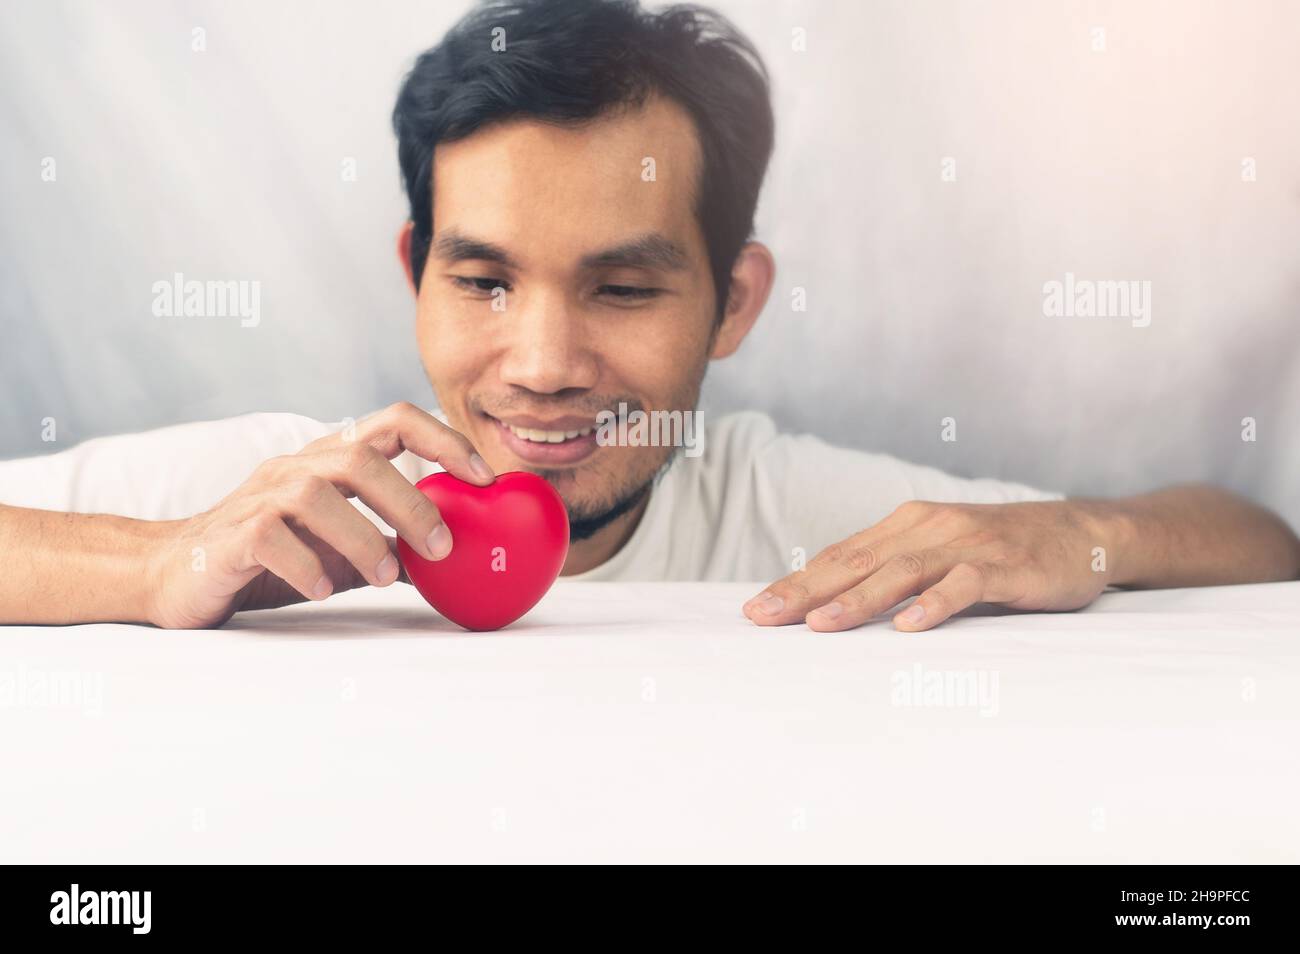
404, 254
751, 283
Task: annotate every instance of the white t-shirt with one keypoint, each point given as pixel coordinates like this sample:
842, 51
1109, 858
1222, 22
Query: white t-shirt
735, 513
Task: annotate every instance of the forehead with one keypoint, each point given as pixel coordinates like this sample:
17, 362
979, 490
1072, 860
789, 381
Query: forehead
545, 190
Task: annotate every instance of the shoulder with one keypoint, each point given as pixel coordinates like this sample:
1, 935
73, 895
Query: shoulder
749, 446
743, 433
730, 449
752, 439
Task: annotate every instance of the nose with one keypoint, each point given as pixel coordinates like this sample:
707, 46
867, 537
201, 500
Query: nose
548, 348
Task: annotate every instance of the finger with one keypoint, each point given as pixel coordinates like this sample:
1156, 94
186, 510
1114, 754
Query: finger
963, 586
269, 543
902, 576
362, 471
316, 504
403, 426
839, 567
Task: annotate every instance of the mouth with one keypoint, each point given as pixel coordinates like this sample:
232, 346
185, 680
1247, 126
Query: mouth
561, 442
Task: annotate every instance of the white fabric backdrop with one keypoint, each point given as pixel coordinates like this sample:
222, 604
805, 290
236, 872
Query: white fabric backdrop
924, 296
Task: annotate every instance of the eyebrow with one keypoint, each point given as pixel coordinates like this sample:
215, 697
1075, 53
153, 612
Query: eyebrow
651, 250
645, 251
455, 247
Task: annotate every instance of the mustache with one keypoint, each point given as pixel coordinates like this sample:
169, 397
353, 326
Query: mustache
543, 405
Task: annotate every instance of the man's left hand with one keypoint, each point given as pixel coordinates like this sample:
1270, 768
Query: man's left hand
1028, 556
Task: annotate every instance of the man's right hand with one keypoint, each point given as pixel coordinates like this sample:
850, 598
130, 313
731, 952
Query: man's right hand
289, 533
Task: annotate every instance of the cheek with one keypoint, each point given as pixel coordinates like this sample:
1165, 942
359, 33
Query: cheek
662, 368
443, 357
426, 338
449, 348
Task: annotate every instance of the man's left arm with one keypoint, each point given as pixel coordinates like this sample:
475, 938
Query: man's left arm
1052, 555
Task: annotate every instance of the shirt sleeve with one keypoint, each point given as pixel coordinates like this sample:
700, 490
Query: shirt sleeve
164, 474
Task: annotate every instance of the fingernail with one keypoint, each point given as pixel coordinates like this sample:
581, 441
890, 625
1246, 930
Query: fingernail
829, 611
480, 468
439, 542
386, 572
913, 614
770, 605
322, 589
757, 599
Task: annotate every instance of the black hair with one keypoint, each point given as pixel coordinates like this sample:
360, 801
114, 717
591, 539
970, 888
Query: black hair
571, 60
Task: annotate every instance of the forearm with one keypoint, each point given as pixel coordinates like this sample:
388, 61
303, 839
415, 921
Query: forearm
64, 568
1192, 536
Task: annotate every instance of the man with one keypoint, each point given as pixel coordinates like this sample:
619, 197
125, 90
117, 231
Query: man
582, 179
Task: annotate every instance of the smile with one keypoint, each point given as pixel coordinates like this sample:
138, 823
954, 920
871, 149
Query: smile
558, 443
545, 437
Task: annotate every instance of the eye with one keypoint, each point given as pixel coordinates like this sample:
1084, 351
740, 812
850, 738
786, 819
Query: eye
628, 292
480, 284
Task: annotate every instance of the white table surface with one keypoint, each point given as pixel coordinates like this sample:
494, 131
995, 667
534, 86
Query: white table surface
651, 722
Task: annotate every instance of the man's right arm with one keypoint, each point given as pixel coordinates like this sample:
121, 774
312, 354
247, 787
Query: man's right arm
76, 568
287, 533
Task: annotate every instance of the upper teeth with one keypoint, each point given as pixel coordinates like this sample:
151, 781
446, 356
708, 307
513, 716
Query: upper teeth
546, 437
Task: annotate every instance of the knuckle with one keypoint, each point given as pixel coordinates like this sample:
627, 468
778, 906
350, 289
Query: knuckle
260, 529
270, 470
794, 589
847, 553
400, 410
357, 456
832, 554
452, 441
857, 600
943, 513
913, 509
372, 542
308, 492
969, 573
861, 559
423, 510
910, 565
955, 520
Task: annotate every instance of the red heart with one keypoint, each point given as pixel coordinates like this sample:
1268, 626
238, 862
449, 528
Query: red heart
509, 540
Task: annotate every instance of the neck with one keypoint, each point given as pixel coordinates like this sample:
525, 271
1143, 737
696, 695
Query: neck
587, 554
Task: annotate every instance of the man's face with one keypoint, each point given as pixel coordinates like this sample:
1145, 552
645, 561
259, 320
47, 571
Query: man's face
562, 280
